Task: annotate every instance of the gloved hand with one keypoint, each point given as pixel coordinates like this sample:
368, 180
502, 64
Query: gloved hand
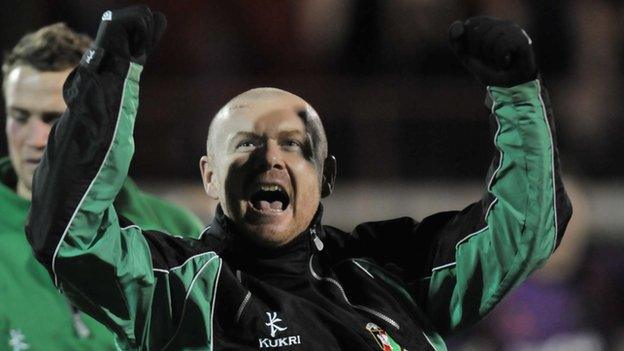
497, 52
131, 32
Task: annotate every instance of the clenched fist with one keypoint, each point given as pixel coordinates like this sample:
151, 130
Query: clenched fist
131, 32
497, 52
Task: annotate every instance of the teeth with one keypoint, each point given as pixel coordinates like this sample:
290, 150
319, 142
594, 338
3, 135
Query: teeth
270, 188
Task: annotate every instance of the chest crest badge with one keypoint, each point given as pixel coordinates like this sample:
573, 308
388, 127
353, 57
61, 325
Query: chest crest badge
385, 342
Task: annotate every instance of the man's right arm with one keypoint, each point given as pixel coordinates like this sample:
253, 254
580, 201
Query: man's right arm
131, 280
85, 163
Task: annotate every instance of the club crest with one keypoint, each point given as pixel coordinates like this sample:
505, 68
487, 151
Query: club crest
385, 342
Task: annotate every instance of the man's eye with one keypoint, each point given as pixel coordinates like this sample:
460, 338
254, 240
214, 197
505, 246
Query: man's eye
245, 145
292, 144
19, 117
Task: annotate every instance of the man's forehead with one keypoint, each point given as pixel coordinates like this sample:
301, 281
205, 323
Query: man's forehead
27, 88
265, 107
268, 119
261, 101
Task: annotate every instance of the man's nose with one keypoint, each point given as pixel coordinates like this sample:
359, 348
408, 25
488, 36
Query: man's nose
272, 156
38, 132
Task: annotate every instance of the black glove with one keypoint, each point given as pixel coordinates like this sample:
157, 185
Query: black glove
130, 33
497, 52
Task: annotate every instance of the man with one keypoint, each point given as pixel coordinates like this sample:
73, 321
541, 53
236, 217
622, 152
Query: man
33, 315
267, 274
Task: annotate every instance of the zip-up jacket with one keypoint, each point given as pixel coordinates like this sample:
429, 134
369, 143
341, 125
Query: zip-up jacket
389, 285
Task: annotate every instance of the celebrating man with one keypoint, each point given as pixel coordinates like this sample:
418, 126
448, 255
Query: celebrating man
267, 273
33, 315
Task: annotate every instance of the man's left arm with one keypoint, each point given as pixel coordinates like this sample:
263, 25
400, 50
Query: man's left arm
479, 254
463, 262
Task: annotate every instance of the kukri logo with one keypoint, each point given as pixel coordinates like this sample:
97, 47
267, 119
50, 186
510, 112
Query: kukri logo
274, 328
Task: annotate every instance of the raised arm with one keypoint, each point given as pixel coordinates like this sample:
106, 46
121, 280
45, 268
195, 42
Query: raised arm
123, 276
480, 253
461, 263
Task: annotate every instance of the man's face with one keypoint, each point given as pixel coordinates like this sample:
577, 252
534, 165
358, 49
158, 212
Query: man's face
33, 101
265, 171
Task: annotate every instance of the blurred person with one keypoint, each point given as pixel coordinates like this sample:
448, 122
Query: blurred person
267, 273
33, 315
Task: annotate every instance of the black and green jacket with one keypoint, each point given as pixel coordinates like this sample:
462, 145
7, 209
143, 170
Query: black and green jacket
33, 314
398, 283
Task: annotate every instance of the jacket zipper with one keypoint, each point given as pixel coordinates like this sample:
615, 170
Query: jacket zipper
317, 241
242, 306
245, 302
344, 295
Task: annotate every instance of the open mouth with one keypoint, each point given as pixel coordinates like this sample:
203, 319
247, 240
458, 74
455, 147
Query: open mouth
269, 198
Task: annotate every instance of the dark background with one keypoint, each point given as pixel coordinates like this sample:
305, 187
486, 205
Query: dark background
396, 103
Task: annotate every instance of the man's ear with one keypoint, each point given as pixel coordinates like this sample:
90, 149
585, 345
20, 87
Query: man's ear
329, 176
211, 186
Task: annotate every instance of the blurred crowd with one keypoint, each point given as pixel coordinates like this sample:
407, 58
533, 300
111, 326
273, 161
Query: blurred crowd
379, 72
398, 108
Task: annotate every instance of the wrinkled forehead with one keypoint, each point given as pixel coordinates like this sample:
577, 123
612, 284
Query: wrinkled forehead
270, 114
30, 89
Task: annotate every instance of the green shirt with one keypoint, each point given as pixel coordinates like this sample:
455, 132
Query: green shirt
33, 314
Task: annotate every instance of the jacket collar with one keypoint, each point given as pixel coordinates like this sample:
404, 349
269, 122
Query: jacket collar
243, 254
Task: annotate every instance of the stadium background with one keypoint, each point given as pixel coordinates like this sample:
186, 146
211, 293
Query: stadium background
404, 119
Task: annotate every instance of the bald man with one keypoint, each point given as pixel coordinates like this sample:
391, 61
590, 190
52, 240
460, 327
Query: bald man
266, 154
267, 274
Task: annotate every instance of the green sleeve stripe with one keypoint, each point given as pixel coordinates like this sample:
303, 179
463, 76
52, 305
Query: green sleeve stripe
448, 265
528, 148
192, 258
167, 271
437, 343
489, 189
208, 283
190, 288
212, 307
125, 119
521, 221
552, 161
490, 182
500, 151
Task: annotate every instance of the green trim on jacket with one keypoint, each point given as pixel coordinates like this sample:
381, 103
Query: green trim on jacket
33, 313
